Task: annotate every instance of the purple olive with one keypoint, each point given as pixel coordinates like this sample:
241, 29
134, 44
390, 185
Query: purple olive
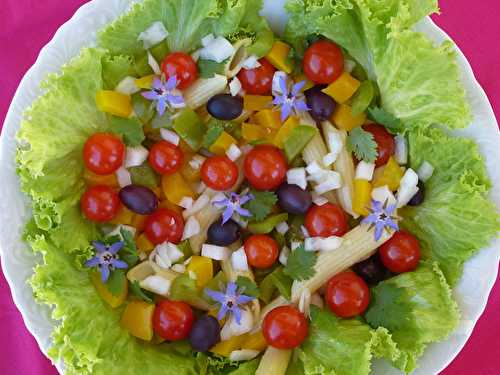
223, 235
321, 105
419, 197
225, 107
139, 199
204, 334
293, 199
371, 270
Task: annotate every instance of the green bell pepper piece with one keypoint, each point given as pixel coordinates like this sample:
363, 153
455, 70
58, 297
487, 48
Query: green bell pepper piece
363, 98
276, 280
268, 224
297, 140
190, 128
144, 175
160, 51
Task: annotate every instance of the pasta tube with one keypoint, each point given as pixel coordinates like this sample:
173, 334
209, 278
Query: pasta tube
203, 89
235, 62
274, 361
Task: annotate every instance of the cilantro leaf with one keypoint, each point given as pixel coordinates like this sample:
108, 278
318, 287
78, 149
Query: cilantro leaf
140, 293
130, 129
248, 286
209, 68
116, 282
261, 206
215, 129
391, 123
129, 251
388, 300
300, 264
362, 144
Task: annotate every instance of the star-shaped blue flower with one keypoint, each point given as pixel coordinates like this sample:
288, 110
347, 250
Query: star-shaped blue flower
230, 301
381, 218
165, 94
106, 259
290, 101
234, 204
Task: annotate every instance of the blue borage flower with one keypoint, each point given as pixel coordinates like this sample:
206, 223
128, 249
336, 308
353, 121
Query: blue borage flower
230, 301
165, 94
107, 259
234, 204
380, 218
290, 101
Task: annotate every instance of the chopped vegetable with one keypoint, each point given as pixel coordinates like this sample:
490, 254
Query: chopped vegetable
137, 319
268, 118
190, 128
343, 88
222, 144
114, 103
176, 188
267, 225
300, 264
285, 131
278, 56
344, 118
363, 145
297, 140
202, 267
256, 102
390, 175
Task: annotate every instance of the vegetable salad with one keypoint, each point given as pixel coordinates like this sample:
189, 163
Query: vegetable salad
216, 198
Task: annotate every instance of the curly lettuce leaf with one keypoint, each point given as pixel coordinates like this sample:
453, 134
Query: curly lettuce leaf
417, 308
419, 83
115, 69
456, 219
341, 346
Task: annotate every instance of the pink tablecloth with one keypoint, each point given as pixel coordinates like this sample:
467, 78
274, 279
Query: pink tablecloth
27, 25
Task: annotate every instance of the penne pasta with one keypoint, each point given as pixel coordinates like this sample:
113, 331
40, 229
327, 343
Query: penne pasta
274, 361
203, 89
235, 62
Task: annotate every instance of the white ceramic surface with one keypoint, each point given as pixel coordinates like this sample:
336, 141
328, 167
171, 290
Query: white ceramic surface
18, 261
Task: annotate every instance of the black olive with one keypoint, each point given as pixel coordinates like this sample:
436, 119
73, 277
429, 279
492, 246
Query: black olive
371, 270
225, 107
321, 105
293, 199
418, 198
223, 235
139, 199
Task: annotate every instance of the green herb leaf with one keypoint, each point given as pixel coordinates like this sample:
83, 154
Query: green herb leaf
300, 264
261, 206
129, 251
215, 129
129, 128
391, 123
362, 144
140, 293
209, 68
116, 282
248, 286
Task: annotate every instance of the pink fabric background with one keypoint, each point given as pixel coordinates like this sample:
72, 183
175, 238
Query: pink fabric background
27, 25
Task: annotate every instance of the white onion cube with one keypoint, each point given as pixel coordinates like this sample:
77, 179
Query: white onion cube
170, 136
215, 252
123, 176
186, 202
407, 187
217, 50
364, 171
282, 227
191, 228
135, 156
401, 150
127, 86
233, 152
156, 284
425, 171
251, 62
239, 260
205, 41
153, 35
383, 194
235, 86
243, 355
297, 176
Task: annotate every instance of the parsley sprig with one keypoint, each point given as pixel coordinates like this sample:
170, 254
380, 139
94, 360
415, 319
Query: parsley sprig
362, 144
261, 206
300, 264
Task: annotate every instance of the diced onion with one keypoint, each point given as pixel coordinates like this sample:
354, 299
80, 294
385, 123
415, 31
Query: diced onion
235, 86
282, 227
217, 50
153, 35
135, 156
383, 194
297, 176
295, 244
186, 202
180, 268
401, 151
127, 86
160, 256
156, 284
314, 168
124, 177
331, 182
192, 275
233, 152
215, 252
407, 187
335, 141
239, 260
243, 355
322, 243
233, 328
284, 254
153, 64
170, 136
251, 62
329, 159
173, 252
318, 200
425, 171
197, 161
349, 65
118, 229
364, 171
191, 228
198, 205
205, 41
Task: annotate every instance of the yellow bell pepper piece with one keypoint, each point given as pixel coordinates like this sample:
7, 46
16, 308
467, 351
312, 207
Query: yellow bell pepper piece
278, 56
105, 294
343, 118
224, 348
114, 102
255, 341
175, 188
145, 82
138, 222
252, 132
391, 175
362, 197
167, 204
203, 268
124, 217
222, 144
256, 102
93, 179
285, 131
268, 118
144, 244
302, 77
137, 318
189, 173
343, 88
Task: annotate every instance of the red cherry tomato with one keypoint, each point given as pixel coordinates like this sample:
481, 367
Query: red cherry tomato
285, 327
164, 225
385, 143
103, 153
347, 294
100, 203
326, 220
165, 157
173, 320
261, 250
323, 62
401, 253
265, 167
258, 81
182, 66
219, 173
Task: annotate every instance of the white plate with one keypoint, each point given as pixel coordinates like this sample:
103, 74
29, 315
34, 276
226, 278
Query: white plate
18, 261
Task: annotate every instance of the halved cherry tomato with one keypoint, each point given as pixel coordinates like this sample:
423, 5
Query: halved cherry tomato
182, 66
326, 220
347, 294
261, 250
173, 320
385, 143
164, 225
258, 81
323, 62
401, 253
265, 167
219, 173
165, 157
100, 203
103, 153
285, 327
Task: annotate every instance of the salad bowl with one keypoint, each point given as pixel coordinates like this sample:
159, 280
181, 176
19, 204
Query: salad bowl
18, 261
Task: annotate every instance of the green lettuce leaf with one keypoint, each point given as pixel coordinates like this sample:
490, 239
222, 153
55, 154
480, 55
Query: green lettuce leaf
419, 83
115, 69
341, 346
417, 308
456, 219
